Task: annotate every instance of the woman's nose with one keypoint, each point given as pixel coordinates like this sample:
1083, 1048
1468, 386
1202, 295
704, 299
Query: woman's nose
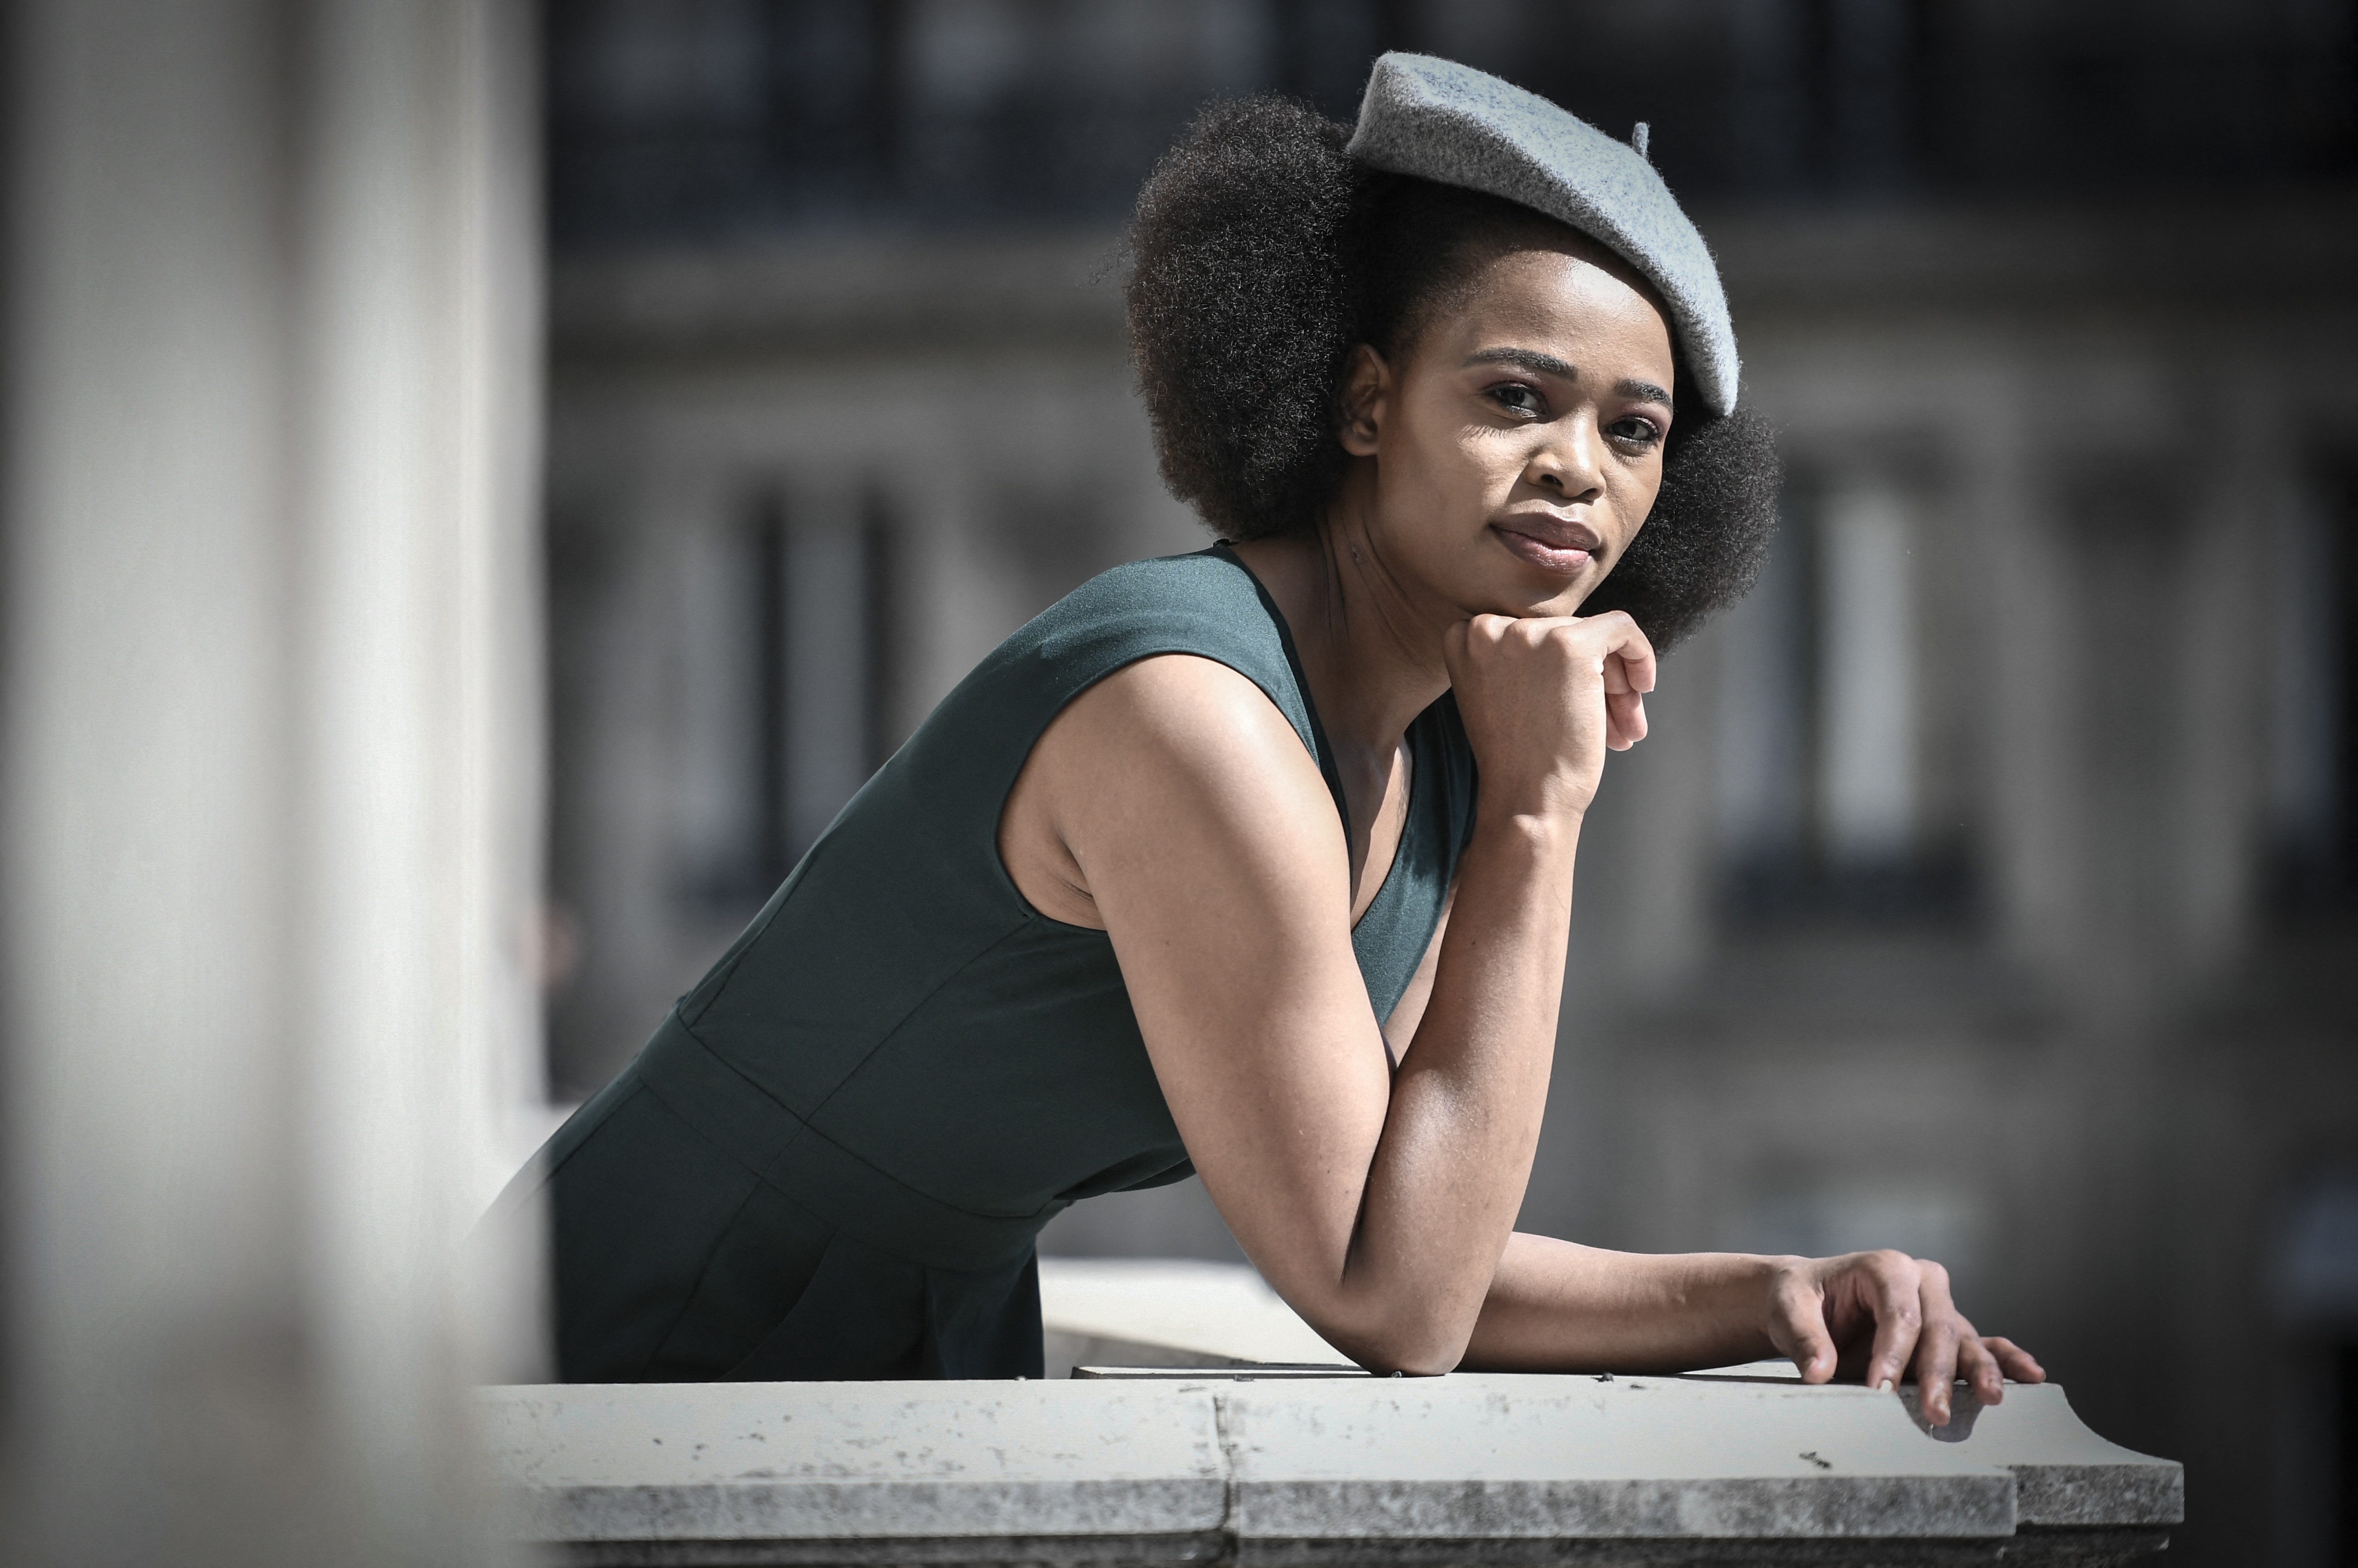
1567, 462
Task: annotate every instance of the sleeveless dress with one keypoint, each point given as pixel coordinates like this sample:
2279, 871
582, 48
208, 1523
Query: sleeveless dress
832, 1158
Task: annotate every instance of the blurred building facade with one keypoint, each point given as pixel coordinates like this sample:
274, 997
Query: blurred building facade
1987, 886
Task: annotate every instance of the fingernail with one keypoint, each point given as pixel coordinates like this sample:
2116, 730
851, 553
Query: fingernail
1884, 1386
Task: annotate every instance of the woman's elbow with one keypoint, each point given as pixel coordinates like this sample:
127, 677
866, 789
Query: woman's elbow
1414, 1340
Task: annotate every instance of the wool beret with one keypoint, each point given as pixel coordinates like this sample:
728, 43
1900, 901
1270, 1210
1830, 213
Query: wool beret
1448, 122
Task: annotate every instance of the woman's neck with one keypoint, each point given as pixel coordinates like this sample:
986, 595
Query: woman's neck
1370, 642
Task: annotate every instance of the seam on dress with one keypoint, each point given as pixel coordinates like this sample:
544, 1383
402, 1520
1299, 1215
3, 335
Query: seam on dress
805, 1129
711, 1253
761, 1178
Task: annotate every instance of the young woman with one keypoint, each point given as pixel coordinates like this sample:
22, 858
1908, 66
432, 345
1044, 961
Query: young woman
1259, 861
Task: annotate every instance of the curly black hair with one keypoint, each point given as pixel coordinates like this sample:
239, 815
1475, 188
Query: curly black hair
1262, 254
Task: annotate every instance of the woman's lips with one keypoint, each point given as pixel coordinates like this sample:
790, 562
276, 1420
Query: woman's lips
1561, 549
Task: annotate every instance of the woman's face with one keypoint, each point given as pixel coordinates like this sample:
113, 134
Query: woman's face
1518, 446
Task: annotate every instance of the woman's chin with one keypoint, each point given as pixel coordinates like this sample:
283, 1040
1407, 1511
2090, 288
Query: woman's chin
1531, 597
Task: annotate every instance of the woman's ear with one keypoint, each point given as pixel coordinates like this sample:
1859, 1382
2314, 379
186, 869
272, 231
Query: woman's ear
1367, 386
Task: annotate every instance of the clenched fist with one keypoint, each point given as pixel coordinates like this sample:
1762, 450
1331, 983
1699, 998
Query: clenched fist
1544, 698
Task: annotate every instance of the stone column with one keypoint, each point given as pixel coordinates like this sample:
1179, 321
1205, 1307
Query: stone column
271, 751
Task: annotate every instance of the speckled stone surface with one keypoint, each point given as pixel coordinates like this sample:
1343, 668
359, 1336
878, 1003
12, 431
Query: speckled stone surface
1190, 1468
1229, 1432
1512, 1458
819, 1461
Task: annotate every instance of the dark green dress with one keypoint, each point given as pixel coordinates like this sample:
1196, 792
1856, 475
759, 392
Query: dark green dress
832, 1158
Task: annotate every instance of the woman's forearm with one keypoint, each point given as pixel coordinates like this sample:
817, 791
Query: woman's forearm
1556, 1306
1880, 1316
1544, 699
1450, 1170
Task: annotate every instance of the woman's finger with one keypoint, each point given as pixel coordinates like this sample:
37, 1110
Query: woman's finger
1624, 720
1936, 1344
2014, 1361
1625, 641
1625, 704
1798, 1328
1936, 1369
1614, 673
1979, 1371
1890, 1286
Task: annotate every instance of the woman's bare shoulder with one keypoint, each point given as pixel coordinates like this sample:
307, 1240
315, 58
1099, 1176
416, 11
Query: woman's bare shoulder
1174, 745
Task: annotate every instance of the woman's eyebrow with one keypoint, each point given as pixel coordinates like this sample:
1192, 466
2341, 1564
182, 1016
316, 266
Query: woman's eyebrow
1538, 364
1530, 359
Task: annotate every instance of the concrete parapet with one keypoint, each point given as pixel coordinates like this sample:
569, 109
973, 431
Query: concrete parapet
1195, 1467
1281, 1454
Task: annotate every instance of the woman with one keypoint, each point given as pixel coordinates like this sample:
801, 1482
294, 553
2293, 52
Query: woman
1199, 870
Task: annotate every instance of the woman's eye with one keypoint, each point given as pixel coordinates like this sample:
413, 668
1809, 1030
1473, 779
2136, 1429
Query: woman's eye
1636, 431
1521, 399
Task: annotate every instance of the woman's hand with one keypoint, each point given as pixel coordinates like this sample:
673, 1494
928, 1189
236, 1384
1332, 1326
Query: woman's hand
1544, 698
1557, 1306
1872, 1314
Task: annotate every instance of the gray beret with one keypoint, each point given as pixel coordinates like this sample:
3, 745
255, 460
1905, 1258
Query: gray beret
1448, 122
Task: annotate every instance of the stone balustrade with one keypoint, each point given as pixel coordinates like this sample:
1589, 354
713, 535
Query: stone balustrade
1287, 1455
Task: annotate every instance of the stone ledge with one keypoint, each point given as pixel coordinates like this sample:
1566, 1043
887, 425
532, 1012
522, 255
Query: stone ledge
1502, 1456
742, 1461
1307, 1465
1192, 1469
1221, 1320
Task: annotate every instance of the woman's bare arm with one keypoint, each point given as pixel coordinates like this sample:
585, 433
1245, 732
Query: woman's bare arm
1206, 843
1555, 1306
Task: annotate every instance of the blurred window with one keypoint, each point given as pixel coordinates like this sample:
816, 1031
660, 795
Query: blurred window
1824, 808
785, 687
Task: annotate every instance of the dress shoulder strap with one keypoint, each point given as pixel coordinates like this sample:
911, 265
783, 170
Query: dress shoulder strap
1206, 603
